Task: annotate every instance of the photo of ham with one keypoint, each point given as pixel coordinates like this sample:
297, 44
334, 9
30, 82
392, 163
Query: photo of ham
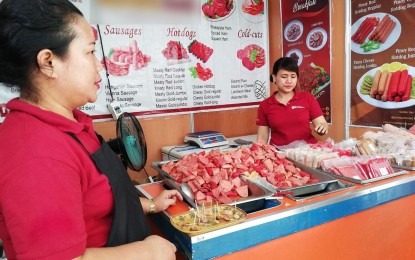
252, 10
121, 59
252, 56
216, 10
253, 7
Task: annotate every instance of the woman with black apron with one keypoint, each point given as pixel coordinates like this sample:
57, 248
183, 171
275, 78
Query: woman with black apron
64, 193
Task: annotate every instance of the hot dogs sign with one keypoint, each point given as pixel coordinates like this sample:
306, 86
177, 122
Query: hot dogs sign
382, 67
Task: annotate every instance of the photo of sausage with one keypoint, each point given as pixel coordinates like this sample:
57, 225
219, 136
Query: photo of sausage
374, 33
388, 86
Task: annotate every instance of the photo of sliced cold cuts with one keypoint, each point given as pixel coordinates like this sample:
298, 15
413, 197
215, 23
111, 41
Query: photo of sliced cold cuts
121, 59
200, 50
375, 33
217, 10
293, 31
316, 39
175, 53
252, 56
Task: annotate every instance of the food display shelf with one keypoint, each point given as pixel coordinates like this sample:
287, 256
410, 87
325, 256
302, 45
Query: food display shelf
292, 217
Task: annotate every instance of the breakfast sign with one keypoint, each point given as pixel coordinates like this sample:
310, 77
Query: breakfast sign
220, 62
382, 63
306, 38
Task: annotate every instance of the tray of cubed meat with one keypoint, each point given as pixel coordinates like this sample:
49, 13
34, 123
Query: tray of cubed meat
227, 177
212, 186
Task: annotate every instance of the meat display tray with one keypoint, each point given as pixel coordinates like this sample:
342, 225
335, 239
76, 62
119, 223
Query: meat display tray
336, 176
403, 167
302, 193
396, 173
326, 184
254, 202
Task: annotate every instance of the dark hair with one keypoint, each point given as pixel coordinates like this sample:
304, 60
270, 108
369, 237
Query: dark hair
285, 63
26, 28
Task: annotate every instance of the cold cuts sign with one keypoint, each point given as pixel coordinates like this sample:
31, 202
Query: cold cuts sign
219, 62
382, 63
306, 29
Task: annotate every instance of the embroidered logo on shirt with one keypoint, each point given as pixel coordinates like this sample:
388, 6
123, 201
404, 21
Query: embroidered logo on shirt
297, 107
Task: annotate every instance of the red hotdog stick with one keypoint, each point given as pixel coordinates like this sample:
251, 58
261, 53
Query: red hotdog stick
393, 85
405, 96
402, 82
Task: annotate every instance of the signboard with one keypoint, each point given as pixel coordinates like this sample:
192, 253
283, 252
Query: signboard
382, 63
220, 62
307, 39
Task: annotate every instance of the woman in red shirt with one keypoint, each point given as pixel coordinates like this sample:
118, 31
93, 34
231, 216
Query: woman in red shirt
64, 194
288, 111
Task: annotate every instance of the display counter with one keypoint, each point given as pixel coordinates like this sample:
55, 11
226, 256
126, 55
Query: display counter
370, 221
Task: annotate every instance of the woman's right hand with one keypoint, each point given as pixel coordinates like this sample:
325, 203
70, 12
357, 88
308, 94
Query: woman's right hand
153, 247
161, 248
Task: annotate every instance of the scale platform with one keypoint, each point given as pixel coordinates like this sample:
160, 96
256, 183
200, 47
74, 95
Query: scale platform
206, 139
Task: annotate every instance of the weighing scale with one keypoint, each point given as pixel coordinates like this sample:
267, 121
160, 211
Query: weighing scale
206, 139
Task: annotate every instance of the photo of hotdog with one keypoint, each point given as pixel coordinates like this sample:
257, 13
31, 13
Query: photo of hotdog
390, 86
375, 33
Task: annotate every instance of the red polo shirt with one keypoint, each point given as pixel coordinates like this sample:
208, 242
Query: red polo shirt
54, 202
289, 122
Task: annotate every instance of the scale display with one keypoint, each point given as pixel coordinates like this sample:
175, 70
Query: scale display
206, 139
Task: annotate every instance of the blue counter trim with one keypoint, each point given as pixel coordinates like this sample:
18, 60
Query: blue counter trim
256, 234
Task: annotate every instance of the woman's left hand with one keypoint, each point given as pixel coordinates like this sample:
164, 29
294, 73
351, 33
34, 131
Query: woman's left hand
165, 199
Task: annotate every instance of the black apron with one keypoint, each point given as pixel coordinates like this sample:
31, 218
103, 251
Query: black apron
129, 223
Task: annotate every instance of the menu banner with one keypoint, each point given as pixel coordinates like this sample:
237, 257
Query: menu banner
220, 62
307, 39
382, 63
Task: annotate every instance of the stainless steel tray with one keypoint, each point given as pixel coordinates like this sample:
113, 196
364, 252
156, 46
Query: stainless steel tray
396, 173
327, 184
256, 193
403, 167
323, 178
319, 172
301, 193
